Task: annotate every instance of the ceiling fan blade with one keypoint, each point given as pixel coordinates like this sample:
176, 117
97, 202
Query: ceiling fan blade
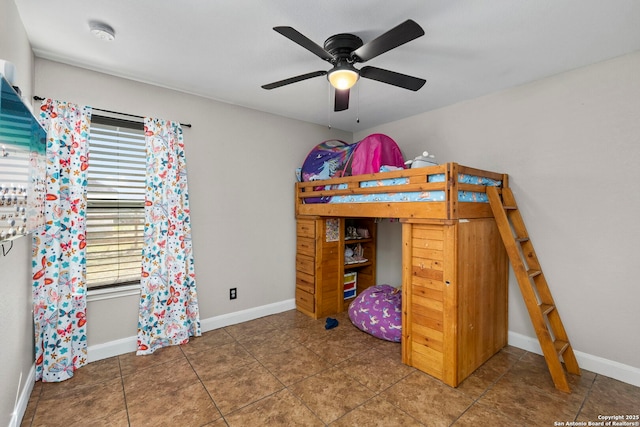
397, 36
392, 78
341, 100
297, 37
293, 79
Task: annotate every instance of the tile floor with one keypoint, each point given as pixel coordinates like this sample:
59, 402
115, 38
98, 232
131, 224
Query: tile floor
287, 370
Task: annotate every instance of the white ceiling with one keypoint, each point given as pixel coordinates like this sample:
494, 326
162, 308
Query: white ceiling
227, 49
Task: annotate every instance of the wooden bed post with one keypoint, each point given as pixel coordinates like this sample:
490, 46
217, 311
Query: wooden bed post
451, 309
297, 202
452, 190
406, 292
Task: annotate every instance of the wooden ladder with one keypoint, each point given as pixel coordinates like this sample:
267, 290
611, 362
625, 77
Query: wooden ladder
533, 285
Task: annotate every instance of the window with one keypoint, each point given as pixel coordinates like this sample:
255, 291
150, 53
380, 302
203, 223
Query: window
115, 196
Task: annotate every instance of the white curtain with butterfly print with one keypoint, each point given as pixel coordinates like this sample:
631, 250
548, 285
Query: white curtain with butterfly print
59, 288
169, 312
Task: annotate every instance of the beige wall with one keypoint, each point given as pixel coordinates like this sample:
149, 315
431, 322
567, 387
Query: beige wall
16, 336
241, 171
571, 145
15, 47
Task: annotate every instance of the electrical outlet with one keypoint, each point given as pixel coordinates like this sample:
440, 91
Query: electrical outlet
233, 293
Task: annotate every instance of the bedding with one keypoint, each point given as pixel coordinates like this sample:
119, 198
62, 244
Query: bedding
416, 196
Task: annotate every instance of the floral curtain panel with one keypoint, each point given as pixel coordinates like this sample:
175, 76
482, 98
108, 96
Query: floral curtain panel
169, 312
59, 291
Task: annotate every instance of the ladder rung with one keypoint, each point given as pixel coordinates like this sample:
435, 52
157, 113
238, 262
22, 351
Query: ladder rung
509, 207
561, 346
546, 308
522, 239
533, 273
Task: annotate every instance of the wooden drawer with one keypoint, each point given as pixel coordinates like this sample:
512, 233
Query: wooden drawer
306, 228
305, 300
306, 246
305, 273
306, 281
305, 264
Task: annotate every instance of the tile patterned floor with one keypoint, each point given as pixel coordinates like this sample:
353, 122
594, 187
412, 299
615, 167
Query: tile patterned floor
287, 370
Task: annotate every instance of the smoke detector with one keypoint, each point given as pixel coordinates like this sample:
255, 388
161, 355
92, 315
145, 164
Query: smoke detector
102, 30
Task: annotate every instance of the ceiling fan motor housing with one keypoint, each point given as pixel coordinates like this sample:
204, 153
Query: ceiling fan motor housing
341, 46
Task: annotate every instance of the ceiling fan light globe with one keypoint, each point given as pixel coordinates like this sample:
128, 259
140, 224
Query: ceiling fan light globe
343, 79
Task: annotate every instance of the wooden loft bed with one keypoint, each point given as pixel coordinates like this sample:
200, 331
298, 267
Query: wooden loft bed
454, 272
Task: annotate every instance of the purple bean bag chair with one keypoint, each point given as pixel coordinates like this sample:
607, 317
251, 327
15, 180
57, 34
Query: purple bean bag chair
378, 311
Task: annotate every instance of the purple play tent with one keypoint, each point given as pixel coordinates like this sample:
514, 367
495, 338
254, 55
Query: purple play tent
335, 158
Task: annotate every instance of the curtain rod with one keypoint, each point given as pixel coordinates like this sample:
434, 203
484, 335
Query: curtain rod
39, 98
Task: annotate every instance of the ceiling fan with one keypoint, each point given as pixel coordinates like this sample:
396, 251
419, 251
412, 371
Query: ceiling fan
344, 50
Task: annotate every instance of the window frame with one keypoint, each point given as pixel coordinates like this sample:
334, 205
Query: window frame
126, 286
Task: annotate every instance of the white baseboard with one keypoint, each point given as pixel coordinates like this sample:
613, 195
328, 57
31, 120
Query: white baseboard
23, 399
129, 344
111, 349
608, 368
245, 315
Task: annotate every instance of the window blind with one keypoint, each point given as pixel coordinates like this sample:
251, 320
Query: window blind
115, 196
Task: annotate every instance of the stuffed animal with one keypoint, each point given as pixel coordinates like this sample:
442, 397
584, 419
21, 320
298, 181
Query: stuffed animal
423, 160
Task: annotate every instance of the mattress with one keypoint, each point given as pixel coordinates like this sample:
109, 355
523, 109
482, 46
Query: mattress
416, 196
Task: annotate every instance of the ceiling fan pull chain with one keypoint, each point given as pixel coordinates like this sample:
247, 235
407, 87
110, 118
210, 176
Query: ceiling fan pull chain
329, 103
358, 104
